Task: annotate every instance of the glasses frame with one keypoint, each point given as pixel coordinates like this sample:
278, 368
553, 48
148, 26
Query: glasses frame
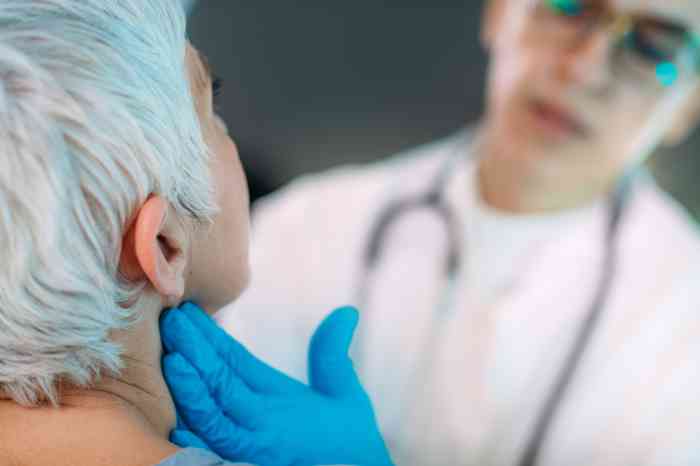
620, 25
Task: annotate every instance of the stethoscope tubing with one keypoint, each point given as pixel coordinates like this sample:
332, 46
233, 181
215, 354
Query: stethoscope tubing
433, 199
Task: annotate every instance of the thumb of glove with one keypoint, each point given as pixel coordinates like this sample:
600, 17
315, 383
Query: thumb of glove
331, 371
185, 439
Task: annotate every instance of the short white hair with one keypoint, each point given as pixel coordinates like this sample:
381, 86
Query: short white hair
96, 114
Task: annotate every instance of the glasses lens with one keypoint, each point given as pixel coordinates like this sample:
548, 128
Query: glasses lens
657, 42
647, 47
565, 7
662, 50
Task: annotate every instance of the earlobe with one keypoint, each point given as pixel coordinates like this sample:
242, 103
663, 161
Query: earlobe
153, 248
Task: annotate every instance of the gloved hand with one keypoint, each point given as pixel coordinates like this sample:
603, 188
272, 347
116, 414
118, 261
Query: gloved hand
245, 410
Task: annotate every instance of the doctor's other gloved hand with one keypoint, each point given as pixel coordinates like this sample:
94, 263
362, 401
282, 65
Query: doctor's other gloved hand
231, 402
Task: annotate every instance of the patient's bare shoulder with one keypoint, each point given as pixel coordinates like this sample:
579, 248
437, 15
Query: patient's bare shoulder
85, 436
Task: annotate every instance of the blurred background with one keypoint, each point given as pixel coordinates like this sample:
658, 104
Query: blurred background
312, 85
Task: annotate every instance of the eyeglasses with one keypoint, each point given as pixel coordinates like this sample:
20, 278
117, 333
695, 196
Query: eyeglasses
645, 48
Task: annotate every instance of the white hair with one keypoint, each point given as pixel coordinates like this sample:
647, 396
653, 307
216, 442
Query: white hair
96, 114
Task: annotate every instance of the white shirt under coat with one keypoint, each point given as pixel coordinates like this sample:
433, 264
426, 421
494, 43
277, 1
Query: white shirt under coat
526, 283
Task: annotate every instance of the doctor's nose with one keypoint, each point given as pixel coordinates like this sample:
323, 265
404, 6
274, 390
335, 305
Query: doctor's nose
588, 61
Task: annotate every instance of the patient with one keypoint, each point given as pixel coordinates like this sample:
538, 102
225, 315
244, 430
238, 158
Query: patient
121, 194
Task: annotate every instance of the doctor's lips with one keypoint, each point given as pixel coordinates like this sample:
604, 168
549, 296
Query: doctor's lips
557, 120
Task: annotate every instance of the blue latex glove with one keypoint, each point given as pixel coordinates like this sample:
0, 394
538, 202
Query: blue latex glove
184, 437
245, 410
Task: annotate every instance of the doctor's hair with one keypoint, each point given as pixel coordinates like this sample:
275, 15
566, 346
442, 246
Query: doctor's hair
96, 114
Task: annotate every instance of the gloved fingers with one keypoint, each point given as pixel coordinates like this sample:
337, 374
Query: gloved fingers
199, 411
179, 422
331, 370
257, 374
201, 367
183, 436
185, 439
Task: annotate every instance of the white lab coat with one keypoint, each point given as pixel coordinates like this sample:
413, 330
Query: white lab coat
634, 400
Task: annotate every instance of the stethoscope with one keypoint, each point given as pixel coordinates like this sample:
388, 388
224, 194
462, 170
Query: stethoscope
434, 199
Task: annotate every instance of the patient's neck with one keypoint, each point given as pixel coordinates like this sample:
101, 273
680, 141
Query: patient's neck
122, 419
140, 386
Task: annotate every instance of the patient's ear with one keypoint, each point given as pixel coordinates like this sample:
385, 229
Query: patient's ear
154, 249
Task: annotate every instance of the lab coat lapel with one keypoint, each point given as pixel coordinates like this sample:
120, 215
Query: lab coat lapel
401, 303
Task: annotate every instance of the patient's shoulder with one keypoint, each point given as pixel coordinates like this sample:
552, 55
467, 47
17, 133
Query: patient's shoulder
78, 437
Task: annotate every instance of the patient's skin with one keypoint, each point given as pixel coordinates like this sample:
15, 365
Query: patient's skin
125, 421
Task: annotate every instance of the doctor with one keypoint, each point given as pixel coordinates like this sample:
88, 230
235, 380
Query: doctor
527, 294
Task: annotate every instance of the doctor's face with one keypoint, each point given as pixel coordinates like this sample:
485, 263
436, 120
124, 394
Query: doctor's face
579, 89
218, 266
